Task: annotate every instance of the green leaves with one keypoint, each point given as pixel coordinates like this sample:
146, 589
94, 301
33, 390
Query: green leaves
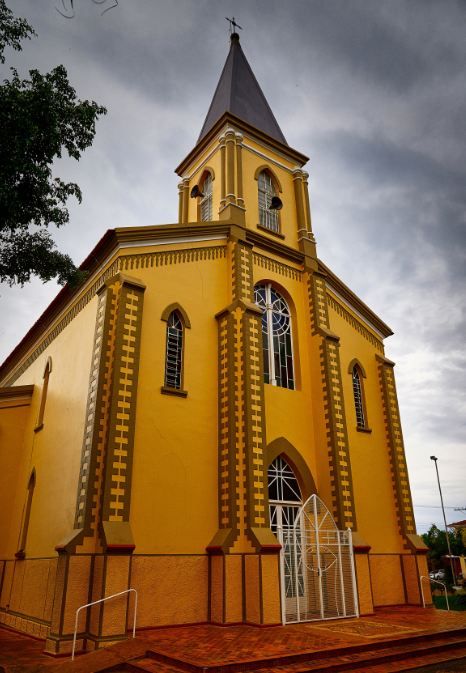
12, 30
436, 540
40, 118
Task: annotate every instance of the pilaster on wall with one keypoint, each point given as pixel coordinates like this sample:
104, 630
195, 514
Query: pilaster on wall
104, 488
81, 579
183, 201
243, 507
95, 436
337, 435
399, 469
231, 179
102, 509
307, 242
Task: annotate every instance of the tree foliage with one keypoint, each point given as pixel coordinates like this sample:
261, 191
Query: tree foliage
12, 30
40, 118
436, 540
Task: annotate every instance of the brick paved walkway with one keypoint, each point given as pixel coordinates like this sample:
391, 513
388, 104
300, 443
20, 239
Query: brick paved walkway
18, 649
433, 634
208, 645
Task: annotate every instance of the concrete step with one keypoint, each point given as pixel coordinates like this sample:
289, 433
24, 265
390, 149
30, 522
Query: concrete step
150, 665
373, 658
433, 663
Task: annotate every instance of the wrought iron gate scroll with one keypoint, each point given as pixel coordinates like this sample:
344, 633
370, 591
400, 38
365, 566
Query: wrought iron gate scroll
318, 566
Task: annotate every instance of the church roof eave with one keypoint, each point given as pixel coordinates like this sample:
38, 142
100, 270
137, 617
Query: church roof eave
354, 300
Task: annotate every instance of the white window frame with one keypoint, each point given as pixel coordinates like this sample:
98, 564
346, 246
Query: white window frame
270, 351
266, 190
206, 201
358, 398
174, 352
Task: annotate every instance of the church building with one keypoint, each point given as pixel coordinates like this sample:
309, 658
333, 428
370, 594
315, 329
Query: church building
209, 418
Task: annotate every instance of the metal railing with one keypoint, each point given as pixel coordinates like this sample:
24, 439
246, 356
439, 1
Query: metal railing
424, 577
107, 598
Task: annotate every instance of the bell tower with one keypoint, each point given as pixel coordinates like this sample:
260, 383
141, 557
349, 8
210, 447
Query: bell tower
242, 169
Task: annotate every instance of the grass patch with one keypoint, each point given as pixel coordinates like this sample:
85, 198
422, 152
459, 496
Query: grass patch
456, 602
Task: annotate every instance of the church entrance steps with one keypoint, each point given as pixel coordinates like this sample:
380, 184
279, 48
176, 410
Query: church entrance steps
391, 656
392, 639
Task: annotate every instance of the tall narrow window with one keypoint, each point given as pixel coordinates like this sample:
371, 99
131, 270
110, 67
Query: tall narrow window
206, 201
267, 218
358, 398
276, 337
21, 553
43, 398
174, 353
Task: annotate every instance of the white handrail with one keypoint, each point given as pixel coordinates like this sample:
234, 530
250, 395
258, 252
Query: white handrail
424, 577
107, 598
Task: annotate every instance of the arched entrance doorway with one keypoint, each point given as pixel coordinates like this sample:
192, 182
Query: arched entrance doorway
316, 562
285, 502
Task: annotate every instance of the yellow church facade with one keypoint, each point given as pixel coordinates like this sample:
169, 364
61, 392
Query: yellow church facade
210, 418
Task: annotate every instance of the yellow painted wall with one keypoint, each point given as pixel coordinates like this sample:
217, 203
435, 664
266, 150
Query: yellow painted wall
387, 579
27, 595
175, 475
369, 451
54, 451
233, 588
361, 562
14, 416
410, 571
171, 589
270, 568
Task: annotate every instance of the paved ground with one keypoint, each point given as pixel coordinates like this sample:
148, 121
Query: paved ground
448, 667
208, 645
17, 649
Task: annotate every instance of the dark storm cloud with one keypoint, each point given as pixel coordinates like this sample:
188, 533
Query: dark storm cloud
395, 44
393, 164
406, 178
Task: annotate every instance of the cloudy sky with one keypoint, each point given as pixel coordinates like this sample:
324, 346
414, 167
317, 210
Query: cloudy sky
373, 92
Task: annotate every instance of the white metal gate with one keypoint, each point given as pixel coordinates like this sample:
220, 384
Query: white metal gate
318, 577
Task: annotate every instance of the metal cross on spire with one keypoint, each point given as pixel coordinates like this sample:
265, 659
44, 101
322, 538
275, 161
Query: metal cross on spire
233, 25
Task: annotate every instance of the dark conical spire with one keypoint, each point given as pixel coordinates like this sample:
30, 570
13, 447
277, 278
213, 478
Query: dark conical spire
239, 93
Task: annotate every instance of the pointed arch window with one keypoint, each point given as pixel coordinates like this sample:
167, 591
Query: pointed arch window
282, 483
177, 322
266, 190
206, 201
276, 337
357, 375
174, 352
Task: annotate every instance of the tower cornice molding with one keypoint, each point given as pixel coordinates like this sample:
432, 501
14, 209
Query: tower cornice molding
218, 128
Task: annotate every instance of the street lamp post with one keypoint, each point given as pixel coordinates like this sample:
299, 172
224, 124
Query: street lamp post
453, 577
